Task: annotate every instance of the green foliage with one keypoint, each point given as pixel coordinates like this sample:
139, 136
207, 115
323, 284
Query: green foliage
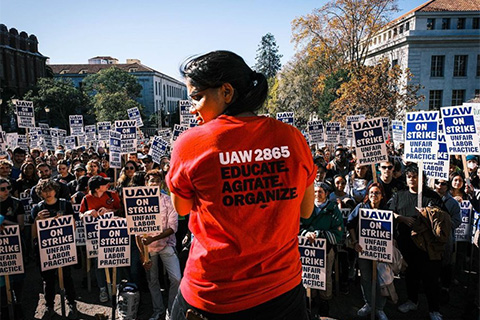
113, 106
327, 91
61, 97
268, 58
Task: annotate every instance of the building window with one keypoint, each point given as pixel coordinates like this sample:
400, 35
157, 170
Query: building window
477, 93
407, 26
438, 63
460, 66
83, 71
64, 71
400, 29
461, 23
435, 99
394, 62
445, 23
476, 23
394, 32
430, 24
458, 97
132, 70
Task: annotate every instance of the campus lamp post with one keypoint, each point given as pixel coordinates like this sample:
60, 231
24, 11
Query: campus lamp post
47, 112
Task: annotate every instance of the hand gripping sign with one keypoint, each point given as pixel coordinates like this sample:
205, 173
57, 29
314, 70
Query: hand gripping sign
313, 257
142, 209
91, 230
11, 261
113, 243
56, 241
369, 141
375, 235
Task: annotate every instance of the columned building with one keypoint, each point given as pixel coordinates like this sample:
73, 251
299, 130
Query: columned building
439, 42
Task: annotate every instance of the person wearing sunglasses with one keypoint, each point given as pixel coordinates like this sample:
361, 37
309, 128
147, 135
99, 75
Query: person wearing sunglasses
126, 175
442, 187
389, 184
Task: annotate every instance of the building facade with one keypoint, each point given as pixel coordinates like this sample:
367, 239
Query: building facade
439, 42
160, 93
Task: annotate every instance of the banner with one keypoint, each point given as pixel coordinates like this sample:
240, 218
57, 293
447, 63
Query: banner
460, 130
142, 209
185, 115
11, 260
313, 257
56, 240
113, 243
463, 232
375, 235
421, 136
76, 125
369, 141
128, 130
91, 230
25, 114
286, 117
134, 114
91, 132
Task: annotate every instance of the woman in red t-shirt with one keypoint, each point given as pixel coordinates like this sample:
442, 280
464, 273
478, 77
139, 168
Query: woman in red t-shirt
246, 181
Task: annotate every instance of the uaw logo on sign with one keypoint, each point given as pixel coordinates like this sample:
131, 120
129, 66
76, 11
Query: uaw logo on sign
128, 130
56, 239
286, 117
142, 209
158, 149
25, 114
439, 169
91, 231
398, 133
177, 131
185, 115
113, 243
79, 227
11, 261
350, 120
369, 141
313, 257
332, 133
134, 114
103, 129
421, 136
375, 236
315, 130
460, 130
463, 232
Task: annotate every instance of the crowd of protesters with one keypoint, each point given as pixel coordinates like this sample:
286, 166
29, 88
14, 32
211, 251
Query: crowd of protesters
53, 181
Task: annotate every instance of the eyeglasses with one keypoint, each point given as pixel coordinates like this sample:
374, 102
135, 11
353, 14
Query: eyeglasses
386, 167
5, 188
375, 193
129, 168
441, 183
147, 161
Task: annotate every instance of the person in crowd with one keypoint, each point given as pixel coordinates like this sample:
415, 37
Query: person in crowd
374, 199
79, 171
53, 162
423, 266
18, 159
326, 221
99, 201
27, 179
340, 165
81, 190
84, 157
457, 182
165, 165
64, 176
441, 187
472, 165
110, 172
147, 162
389, 184
230, 275
60, 154
357, 181
45, 172
161, 246
35, 153
51, 206
5, 169
339, 195
126, 175
321, 173
94, 169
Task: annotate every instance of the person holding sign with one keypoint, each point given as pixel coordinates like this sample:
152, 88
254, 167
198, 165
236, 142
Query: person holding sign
51, 206
246, 189
422, 265
161, 246
326, 222
374, 199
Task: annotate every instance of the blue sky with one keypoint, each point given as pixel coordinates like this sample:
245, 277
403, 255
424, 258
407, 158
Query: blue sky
160, 33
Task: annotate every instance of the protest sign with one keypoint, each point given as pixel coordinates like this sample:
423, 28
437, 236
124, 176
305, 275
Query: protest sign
113, 243
369, 141
11, 261
421, 136
54, 134
3, 144
463, 232
439, 169
76, 125
91, 132
22, 142
70, 142
26, 200
142, 209
476, 113
103, 129
91, 232
342, 137
46, 136
128, 131
192, 123
158, 149
385, 126
134, 114
56, 240
351, 119
286, 117
332, 133
375, 235
398, 133
315, 130
81, 141
177, 131
460, 130
25, 114
165, 134
313, 257
61, 136
115, 147
12, 139
79, 227
34, 137
185, 115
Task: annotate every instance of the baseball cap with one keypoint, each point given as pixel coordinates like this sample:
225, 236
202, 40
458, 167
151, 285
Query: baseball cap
96, 181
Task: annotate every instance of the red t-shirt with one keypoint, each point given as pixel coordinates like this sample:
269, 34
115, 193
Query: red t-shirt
111, 201
247, 176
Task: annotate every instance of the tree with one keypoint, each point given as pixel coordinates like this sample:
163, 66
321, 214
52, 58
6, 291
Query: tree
375, 91
113, 92
268, 58
339, 32
61, 97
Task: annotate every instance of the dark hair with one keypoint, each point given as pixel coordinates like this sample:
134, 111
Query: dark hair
43, 164
63, 161
326, 187
46, 184
19, 150
379, 186
3, 180
216, 68
411, 168
138, 179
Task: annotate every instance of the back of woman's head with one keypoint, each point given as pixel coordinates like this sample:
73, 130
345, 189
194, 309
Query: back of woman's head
213, 69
